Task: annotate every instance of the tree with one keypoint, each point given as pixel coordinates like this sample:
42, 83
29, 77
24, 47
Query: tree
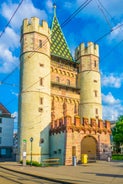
117, 133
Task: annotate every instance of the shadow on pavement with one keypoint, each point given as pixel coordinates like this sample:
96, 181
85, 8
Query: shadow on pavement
106, 175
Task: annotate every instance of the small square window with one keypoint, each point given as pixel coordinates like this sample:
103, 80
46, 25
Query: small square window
0, 129
95, 80
3, 151
40, 109
41, 64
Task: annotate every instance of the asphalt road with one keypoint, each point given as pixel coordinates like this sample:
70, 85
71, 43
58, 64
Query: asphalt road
9, 177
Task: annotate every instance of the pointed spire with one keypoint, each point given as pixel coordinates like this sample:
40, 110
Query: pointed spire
54, 6
59, 45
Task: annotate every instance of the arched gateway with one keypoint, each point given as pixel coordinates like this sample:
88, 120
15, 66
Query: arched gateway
89, 147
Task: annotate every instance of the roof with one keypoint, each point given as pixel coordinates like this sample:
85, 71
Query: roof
59, 45
4, 111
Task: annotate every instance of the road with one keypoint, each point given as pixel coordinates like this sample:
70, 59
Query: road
10, 177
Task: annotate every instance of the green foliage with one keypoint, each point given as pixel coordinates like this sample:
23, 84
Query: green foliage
117, 157
34, 163
118, 131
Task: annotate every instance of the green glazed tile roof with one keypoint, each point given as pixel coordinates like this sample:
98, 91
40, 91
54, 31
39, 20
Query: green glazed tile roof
59, 45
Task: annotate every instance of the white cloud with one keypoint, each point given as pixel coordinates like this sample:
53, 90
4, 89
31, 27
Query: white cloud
68, 5
15, 116
49, 5
117, 32
109, 99
112, 112
112, 80
8, 61
9, 41
13, 93
26, 10
112, 108
10, 38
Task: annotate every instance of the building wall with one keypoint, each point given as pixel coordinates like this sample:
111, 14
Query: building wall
91, 139
64, 89
35, 99
6, 136
89, 81
7, 126
57, 146
53, 91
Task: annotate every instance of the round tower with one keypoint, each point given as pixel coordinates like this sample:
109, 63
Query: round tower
89, 81
34, 101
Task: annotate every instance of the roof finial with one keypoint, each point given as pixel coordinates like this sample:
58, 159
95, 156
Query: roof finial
54, 6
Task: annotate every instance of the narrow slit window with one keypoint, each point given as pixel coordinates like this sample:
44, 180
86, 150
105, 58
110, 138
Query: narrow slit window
95, 63
40, 43
41, 81
41, 100
96, 111
95, 93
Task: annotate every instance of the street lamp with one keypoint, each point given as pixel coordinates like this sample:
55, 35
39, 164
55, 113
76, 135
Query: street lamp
31, 140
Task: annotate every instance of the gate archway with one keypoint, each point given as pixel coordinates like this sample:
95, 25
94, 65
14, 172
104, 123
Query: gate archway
89, 147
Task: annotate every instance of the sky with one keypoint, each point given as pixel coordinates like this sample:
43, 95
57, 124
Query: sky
100, 21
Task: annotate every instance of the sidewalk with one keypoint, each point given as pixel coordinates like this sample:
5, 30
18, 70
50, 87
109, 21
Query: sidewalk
101, 172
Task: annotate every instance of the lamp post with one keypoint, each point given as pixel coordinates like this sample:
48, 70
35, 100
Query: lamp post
31, 140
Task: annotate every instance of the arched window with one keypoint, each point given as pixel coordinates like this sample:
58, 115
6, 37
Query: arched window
57, 79
68, 82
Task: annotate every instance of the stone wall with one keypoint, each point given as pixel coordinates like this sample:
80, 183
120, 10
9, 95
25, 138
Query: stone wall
75, 134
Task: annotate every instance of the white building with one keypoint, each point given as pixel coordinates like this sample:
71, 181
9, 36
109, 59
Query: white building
6, 133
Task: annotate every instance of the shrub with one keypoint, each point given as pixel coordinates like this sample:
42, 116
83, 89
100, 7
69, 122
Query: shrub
117, 157
34, 163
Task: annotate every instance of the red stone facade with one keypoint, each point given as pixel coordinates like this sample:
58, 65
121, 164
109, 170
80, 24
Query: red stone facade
76, 133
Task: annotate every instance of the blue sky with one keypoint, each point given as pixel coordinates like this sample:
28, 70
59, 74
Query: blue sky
90, 24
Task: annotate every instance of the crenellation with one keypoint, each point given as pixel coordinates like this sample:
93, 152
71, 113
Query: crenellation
88, 49
33, 25
66, 123
93, 49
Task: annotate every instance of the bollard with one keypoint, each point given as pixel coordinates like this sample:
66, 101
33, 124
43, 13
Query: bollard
109, 158
74, 160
